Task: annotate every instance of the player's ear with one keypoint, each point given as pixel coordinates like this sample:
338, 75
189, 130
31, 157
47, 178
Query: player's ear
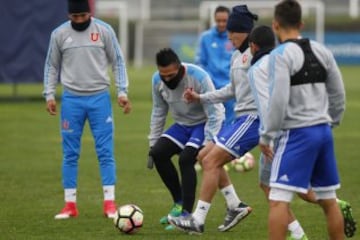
274, 25
301, 25
253, 47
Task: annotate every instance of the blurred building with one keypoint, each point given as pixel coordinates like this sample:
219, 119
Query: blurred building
154, 24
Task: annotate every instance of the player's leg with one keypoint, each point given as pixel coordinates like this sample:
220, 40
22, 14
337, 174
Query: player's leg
102, 127
334, 218
204, 151
168, 145
278, 219
212, 164
243, 133
291, 168
72, 122
162, 152
325, 183
187, 159
237, 139
345, 207
294, 227
226, 187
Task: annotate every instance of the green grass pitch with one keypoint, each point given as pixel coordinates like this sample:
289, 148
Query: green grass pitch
30, 173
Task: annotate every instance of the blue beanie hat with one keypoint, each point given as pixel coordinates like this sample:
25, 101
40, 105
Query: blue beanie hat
241, 20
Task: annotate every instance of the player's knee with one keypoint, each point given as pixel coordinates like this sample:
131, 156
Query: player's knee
328, 205
201, 155
163, 150
308, 197
324, 195
188, 157
280, 195
210, 163
156, 151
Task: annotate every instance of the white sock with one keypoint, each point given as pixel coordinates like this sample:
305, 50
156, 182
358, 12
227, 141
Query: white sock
109, 192
202, 209
296, 230
232, 199
70, 194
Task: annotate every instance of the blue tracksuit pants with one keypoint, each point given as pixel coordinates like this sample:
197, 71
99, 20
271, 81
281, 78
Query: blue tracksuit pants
75, 110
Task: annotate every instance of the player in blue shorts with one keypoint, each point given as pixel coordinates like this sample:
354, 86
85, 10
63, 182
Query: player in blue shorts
79, 54
262, 41
194, 124
306, 99
234, 140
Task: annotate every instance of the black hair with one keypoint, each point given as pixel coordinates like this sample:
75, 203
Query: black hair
222, 9
166, 56
263, 36
288, 14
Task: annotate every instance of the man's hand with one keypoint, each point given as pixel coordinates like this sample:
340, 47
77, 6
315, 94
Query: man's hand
125, 103
267, 150
51, 107
191, 96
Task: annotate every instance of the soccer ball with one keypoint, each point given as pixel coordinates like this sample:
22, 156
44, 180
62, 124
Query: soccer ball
198, 167
243, 164
129, 218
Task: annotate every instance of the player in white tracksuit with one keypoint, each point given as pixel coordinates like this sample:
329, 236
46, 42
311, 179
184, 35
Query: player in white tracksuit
80, 52
233, 140
307, 98
194, 124
262, 41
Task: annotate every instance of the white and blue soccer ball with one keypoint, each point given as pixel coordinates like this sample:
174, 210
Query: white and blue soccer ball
129, 218
244, 163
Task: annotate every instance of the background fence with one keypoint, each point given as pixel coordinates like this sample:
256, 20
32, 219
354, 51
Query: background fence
144, 26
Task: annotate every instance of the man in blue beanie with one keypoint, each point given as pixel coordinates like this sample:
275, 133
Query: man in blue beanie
233, 140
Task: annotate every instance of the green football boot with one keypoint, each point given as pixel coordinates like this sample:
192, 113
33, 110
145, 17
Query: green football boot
349, 221
304, 237
175, 211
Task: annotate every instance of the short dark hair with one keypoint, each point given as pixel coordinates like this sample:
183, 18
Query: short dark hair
222, 9
288, 14
263, 36
166, 56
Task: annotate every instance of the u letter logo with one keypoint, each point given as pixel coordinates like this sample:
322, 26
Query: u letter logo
94, 37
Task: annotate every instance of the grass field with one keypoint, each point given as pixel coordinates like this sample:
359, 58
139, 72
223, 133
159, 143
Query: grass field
30, 174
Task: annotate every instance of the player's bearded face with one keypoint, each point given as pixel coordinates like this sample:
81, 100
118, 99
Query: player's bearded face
80, 21
171, 75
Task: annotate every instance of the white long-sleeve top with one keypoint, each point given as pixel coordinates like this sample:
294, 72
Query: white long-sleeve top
81, 59
304, 104
188, 114
238, 87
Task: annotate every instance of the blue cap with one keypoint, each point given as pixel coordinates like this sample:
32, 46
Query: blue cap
241, 20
